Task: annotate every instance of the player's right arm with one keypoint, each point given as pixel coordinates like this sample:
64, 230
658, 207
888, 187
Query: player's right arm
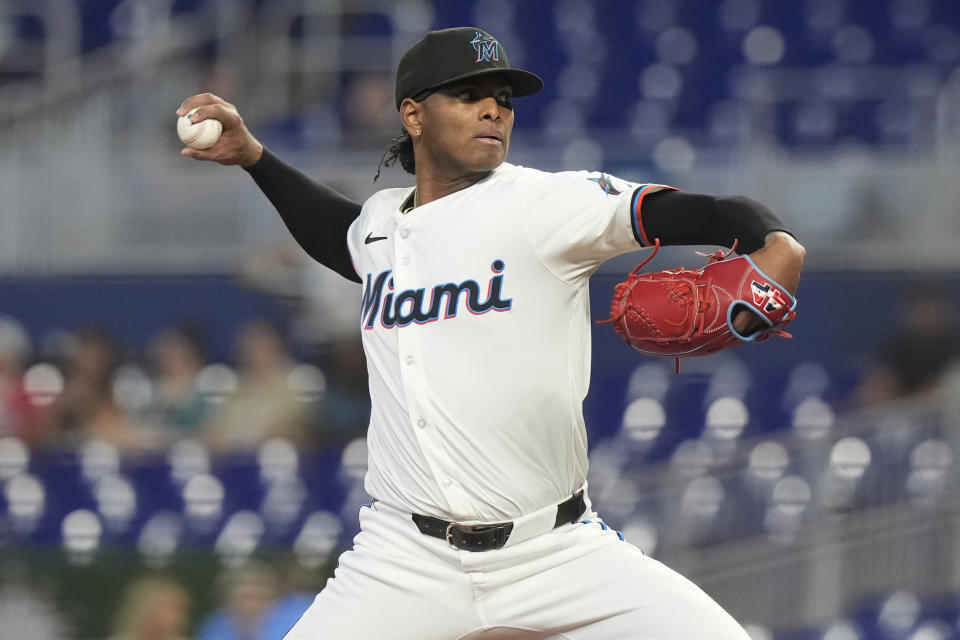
316, 215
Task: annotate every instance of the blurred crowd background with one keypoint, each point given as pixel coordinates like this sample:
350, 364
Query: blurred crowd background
182, 392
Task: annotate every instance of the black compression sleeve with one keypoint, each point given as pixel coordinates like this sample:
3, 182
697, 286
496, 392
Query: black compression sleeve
316, 215
689, 218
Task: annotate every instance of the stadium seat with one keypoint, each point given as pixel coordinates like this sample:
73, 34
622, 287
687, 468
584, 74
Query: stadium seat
758, 631
807, 379
642, 422
187, 458
812, 420
930, 472
283, 507
319, 537
160, 538
898, 615
786, 511
132, 389
843, 630
641, 532
14, 457
692, 458
727, 417
116, 500
730, 378
216, 382
849, 458
308, 382
353, 464
932, 630
26, 499
81, 531
43, 382
203, 498
767, 462
726, 420
239, 538
277, 460
701, 511
651, 380
98, 458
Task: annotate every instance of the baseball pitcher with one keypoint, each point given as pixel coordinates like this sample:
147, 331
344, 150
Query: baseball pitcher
476, 328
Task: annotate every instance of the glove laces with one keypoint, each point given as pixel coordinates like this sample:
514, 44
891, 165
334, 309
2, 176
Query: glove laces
719, 255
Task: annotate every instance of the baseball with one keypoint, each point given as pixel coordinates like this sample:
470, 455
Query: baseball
200, 135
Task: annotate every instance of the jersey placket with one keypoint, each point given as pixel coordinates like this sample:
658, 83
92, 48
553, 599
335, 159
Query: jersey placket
409, 241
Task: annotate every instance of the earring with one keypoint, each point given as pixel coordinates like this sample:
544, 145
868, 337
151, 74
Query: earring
418, 133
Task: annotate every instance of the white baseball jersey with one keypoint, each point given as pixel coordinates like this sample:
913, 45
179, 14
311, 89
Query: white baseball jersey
476, 328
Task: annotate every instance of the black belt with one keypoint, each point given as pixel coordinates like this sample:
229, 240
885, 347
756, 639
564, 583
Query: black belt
490, 536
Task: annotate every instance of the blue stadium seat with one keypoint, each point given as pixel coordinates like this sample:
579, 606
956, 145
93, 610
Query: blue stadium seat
81, 532
117, 507
240, 537
930, 472
320, 536
767, 462
705, 512
643, 421
788, 509
14, 457
891, 616
160, 537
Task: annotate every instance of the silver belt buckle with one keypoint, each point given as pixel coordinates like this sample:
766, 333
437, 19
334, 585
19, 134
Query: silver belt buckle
448, 535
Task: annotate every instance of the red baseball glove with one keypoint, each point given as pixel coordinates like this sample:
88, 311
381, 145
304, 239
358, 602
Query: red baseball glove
679, 313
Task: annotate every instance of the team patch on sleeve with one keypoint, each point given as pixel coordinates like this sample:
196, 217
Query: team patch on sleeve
605, 182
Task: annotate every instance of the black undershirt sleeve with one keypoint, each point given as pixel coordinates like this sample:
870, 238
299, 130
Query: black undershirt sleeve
316, 215
689, 218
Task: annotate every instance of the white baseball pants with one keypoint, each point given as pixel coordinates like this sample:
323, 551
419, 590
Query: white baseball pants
578, 582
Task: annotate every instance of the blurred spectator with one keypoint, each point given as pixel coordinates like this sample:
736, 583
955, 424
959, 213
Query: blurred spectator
248, 594
323, 303
177, 355
152, 608
25, 611
346, 406
369, 109
264, 406
18, 415
328, 311
87, 408
323, 323
914, 358
298, 588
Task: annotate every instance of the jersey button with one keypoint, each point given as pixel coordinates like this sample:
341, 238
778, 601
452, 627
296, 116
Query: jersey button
447, 482
421, 423
404, 233
404, 260
408, 359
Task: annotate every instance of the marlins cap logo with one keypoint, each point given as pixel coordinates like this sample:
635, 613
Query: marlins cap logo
486, 47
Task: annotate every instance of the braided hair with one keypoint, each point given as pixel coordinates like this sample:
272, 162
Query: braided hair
400, 148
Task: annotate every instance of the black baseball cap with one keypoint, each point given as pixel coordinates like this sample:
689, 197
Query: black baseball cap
448, 55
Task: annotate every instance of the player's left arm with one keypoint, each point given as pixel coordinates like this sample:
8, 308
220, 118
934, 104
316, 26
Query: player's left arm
676, 217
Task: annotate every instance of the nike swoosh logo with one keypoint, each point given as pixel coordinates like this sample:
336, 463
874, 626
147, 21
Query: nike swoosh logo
372, 238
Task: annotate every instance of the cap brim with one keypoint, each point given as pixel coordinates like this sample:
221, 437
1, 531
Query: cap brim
522, 82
